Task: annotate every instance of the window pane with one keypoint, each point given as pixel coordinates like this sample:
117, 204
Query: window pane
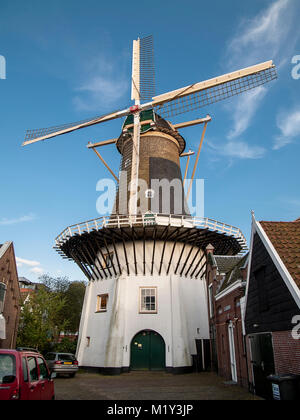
66, 357
7, 366
103, 301
32, 366
148, 300
43, 369
25, 371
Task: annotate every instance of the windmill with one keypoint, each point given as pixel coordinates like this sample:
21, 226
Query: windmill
167, 105
146, 301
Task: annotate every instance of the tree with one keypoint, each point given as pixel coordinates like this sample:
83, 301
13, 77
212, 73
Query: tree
74, 296
54, 308
40, 319
73, 293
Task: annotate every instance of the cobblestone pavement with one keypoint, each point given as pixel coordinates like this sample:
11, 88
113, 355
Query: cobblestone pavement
148, 386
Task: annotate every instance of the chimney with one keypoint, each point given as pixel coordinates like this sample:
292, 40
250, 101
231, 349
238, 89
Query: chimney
209, 249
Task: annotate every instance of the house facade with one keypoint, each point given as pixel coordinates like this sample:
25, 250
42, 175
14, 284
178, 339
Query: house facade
226, 282
9, 297
272, 314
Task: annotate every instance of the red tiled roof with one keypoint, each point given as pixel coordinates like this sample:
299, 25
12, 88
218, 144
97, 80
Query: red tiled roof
285, 237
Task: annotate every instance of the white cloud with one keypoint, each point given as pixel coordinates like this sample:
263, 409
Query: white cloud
22, 219
33, 266
30, 263
289, 126
246, 107
37, 270
103, 87
263, 35
238, 150
270, 35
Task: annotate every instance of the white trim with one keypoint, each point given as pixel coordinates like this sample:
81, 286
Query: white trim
4, 248
2, 327
253, 230
211, 301
232, 352
229, 289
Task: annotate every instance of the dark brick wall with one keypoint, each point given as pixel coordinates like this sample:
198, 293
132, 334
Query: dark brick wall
159, 159
280, 308
286, 353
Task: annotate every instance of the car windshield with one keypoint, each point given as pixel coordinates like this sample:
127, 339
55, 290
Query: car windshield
7, 366
66, 357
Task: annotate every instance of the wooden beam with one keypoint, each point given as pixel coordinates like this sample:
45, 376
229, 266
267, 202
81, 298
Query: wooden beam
101, 143
191, 123
190, 153
197, 159
105, 164
187, 166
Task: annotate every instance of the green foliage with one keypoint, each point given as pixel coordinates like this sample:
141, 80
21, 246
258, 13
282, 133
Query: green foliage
40, 319
54, 308
66, 346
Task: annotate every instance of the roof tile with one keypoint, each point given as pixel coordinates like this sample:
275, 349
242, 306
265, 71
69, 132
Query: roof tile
285, 237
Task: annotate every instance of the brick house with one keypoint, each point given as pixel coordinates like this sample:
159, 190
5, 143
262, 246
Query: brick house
226, 281
27, 288
9, 296
272, 314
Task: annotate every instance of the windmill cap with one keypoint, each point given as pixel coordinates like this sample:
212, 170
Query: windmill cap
150, 121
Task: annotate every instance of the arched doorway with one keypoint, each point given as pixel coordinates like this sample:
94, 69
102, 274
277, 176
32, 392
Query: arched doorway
148, 351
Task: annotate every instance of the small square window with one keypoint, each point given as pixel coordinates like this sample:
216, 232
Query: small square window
102, 303
148, 300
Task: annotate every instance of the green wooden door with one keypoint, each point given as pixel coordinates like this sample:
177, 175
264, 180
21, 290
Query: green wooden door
147, 351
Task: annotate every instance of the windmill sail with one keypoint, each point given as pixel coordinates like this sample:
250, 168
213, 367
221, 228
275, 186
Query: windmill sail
33, 136
143, 75
147, 73
214, 90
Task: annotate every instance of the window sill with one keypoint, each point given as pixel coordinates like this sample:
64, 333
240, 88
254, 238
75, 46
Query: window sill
148, 312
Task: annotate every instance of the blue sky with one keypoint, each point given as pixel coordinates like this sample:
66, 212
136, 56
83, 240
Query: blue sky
69, 60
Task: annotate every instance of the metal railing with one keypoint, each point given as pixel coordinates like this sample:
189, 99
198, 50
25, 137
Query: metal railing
148, 219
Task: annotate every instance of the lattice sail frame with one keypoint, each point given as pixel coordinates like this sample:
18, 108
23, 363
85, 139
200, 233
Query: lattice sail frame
41, 132
214, 94
147, 71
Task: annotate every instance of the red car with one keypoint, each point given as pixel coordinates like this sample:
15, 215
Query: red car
24, 375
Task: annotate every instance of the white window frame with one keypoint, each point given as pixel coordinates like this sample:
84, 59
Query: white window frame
211, 301
4, 294
142, 309
98, 304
